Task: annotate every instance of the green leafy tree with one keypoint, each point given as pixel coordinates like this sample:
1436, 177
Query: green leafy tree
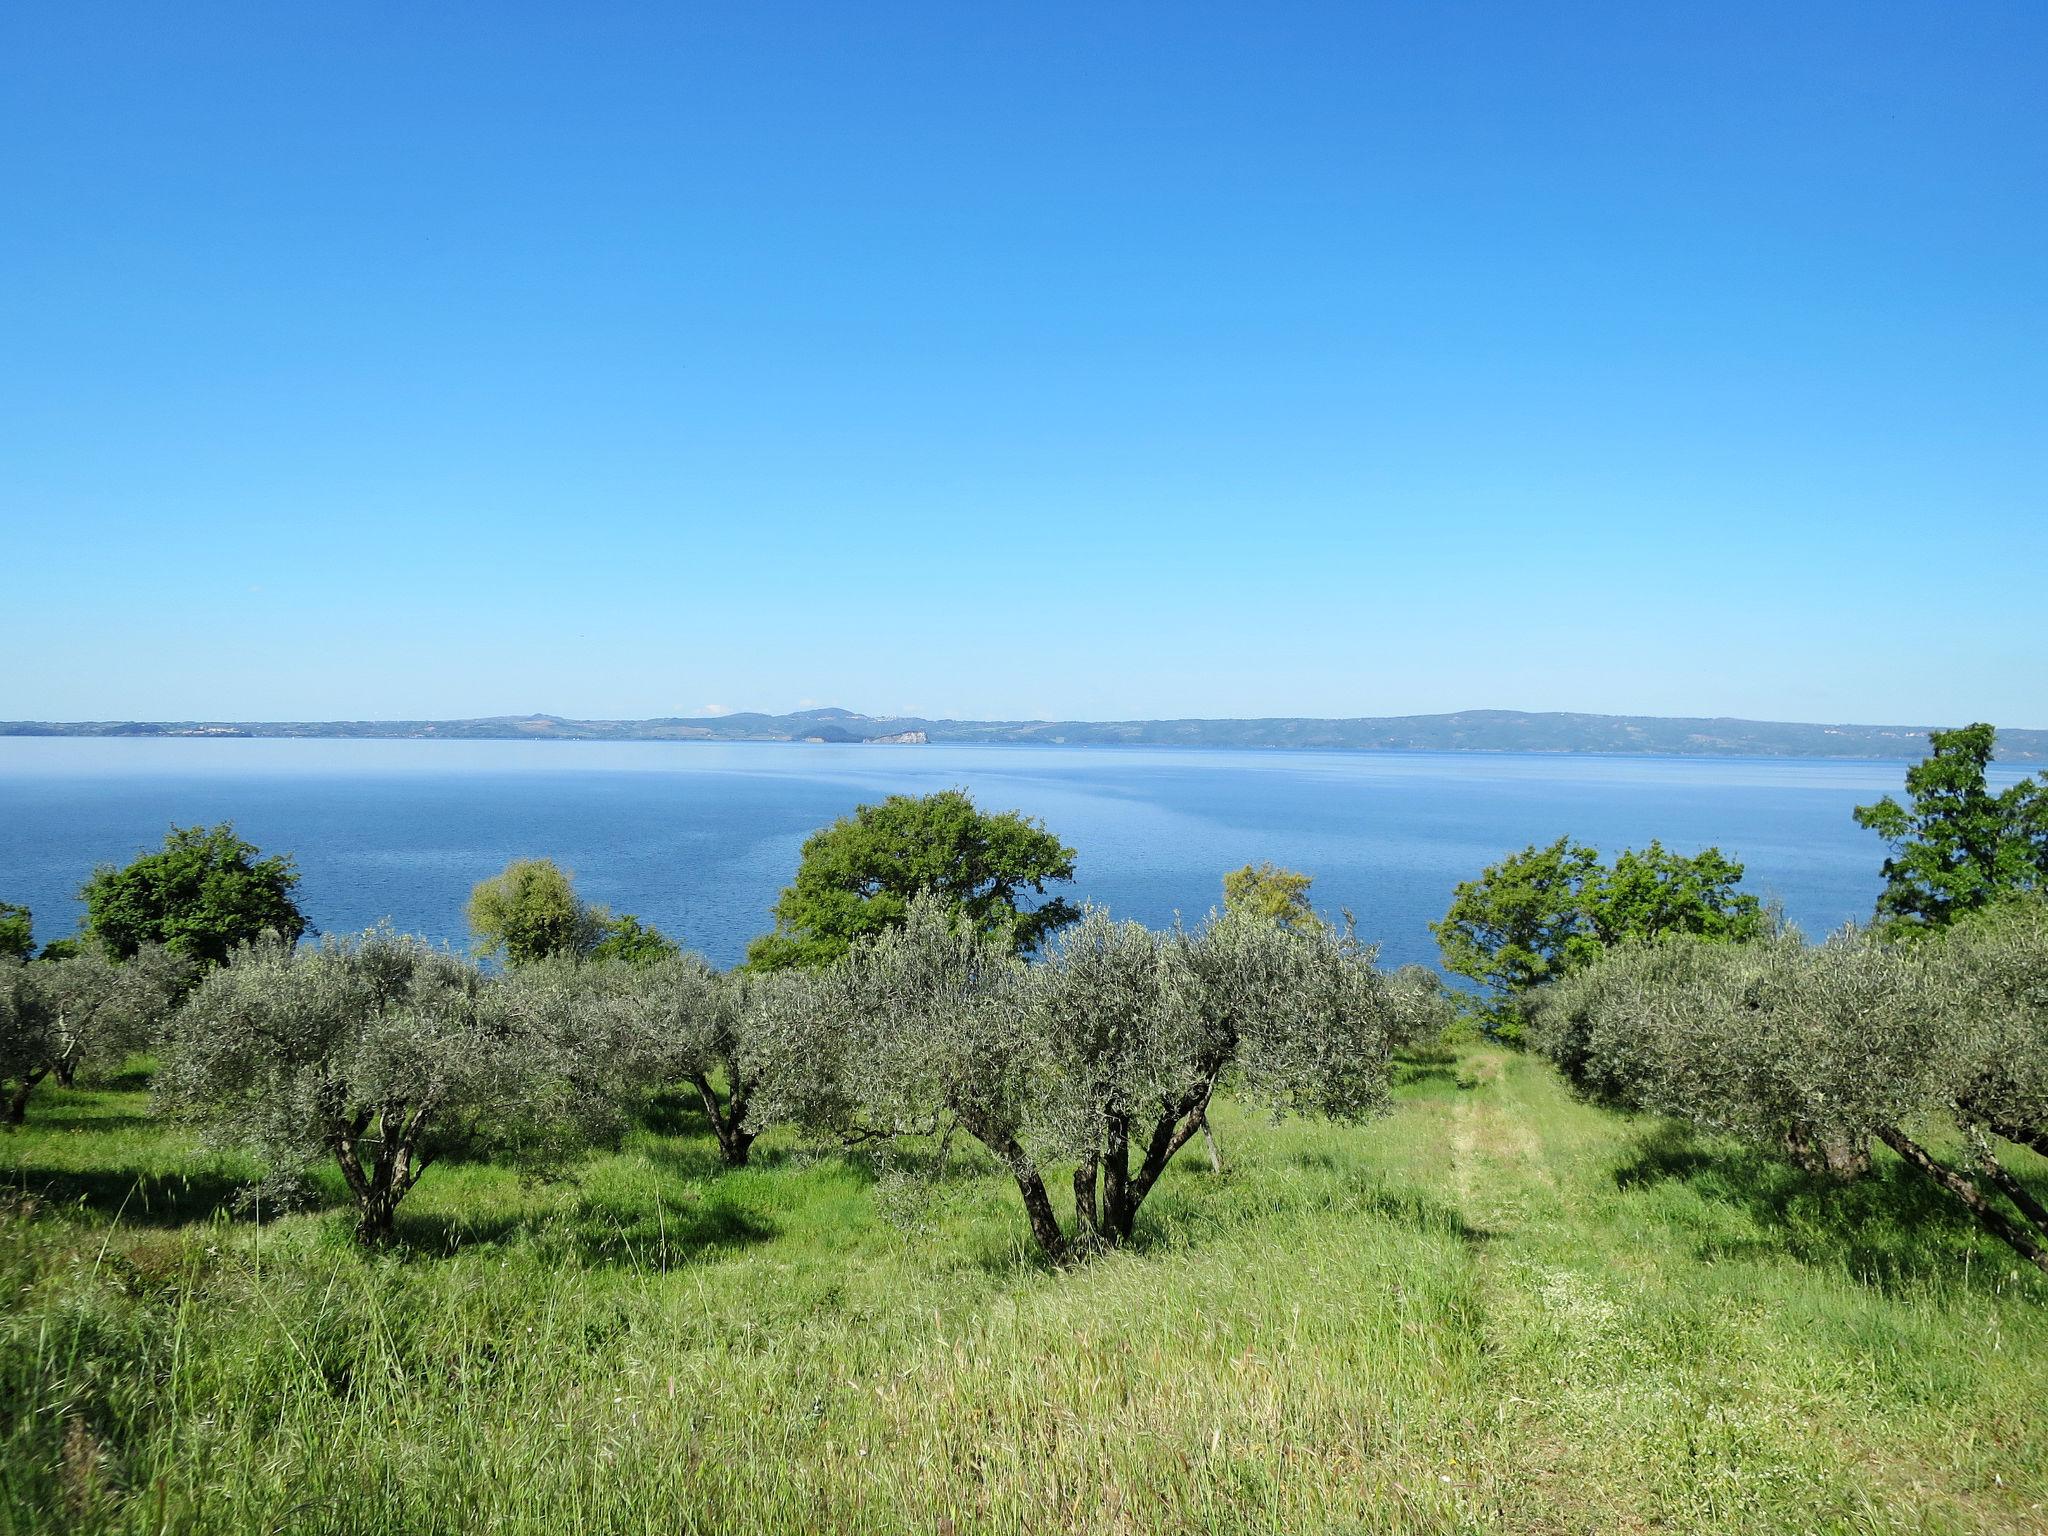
857, 877
201, 895
1542, 913
1956, 847
384, 1055
1275, 894
632, 942
1510, 930
17, 932
530, 911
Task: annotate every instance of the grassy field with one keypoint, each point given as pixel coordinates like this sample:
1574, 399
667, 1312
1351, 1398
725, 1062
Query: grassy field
1497, 1309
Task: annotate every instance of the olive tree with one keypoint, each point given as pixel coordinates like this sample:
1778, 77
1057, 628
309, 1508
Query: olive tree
57, 1016
1991, 976
1104, 1056
1815, 1051
1141, 1028
105, 1009
383, 1054
674, 1020
28, 1042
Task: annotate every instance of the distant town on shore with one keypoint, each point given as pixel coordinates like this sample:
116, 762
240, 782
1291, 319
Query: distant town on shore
1477, 730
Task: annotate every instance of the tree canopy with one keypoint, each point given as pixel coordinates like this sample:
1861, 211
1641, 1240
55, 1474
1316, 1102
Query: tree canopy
384, 1054
17, 932
59, 1015
1956, 846
632, 942
1814, 1051
857, 877
201, 895
1266, 890
1541, 913
529, 911
1103, 1057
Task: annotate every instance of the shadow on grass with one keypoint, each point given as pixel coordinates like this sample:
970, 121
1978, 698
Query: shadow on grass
661, 1238
62, 1120
699, 1158
1890, 1229
1409, 1209
132, 1199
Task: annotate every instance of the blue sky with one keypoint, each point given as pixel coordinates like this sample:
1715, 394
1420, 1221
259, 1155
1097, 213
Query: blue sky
1003, 360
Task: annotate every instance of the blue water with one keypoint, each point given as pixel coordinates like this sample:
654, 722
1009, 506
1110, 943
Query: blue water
697, 838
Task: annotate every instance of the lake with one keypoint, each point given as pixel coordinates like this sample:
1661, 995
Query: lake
698, 838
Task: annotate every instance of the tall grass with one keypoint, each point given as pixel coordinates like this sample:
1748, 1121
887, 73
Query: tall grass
1496, 1310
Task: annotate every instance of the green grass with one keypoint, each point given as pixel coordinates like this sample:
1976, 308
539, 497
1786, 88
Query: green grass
1498, 1309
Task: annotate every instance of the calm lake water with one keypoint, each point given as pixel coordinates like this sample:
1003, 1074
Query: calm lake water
698, 838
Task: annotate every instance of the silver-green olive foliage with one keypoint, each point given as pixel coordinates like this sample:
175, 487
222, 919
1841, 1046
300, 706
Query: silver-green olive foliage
383, 1054
1103, 1056
60, 1016
1814, 1051
668, 1021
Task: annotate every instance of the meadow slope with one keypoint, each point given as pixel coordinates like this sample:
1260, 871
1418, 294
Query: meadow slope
1495, 1310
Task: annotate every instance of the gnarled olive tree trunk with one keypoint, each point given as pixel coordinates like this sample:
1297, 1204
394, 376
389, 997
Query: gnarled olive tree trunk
1824, 1152
378, 1151
728, 1116
2016, 1235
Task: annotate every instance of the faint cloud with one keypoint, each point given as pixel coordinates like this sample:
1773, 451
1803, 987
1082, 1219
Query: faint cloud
806, 703
714, 709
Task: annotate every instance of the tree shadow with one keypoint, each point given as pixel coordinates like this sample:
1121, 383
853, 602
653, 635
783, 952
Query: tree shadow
60, 1120
1410, 1209
1891, 1229
659, 1237
126, 1197
699, 1159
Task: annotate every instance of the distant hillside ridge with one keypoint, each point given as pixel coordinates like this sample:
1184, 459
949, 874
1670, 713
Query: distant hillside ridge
1472, 730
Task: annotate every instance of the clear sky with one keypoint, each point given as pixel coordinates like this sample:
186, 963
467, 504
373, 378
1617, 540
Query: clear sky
1008, 360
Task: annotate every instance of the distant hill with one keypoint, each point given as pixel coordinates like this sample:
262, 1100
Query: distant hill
1475, 730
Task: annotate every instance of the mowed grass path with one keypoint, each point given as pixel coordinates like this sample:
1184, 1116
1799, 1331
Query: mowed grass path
1497, 1309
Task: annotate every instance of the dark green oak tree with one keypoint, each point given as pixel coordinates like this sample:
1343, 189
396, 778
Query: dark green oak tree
1542, 913
202, 895
856, 878
1956, 846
